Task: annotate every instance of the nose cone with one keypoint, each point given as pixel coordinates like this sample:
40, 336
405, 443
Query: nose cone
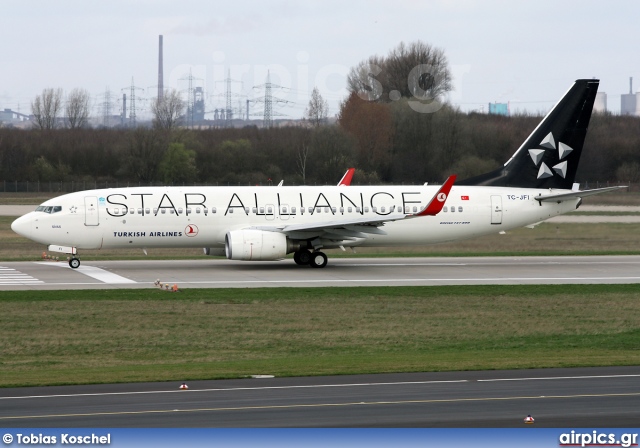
22, 226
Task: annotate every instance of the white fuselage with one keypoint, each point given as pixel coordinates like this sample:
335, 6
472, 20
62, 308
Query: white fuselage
148, 217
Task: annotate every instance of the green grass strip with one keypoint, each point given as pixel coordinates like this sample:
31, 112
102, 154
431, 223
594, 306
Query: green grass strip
107, 336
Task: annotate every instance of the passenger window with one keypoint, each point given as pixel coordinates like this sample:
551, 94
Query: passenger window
132, 211
269, 211
333, 210
213, 210
453, 209
188, 210
460, 209
147, 211
373, 209
293, 210
262, 210
357, 209
445, 209
139, 211
366, 209
284, 209
180, 211
350, 209
163, 211
198, 210
254, 210
155, 211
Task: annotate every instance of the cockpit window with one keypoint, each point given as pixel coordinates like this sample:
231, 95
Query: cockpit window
49, 209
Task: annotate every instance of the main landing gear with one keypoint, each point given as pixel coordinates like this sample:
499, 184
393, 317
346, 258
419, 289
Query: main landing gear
74, 263
313, 259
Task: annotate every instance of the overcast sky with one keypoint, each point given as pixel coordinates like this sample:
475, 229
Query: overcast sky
527, 52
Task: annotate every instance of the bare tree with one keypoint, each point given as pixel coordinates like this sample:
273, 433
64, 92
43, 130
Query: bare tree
45, 108
363, 79
301, 161
168, 110
415, 70
318, 109
77, 109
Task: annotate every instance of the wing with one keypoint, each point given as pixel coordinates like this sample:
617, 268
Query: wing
353, 228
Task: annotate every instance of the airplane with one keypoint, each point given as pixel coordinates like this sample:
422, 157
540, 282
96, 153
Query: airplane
265, 223
346, 179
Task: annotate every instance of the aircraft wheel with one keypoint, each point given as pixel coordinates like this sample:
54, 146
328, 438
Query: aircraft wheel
302, 257
318, 260
74, 263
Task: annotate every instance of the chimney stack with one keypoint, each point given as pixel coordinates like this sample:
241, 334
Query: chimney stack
160, 71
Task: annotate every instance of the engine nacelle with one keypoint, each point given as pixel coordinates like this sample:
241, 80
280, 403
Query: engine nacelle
256, 245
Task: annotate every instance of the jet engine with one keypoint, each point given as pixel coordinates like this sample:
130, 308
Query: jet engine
257, 245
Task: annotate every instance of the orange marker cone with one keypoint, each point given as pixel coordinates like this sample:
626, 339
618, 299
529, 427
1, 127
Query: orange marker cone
175, 288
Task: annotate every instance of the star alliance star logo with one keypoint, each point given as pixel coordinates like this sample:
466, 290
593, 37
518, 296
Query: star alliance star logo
537, 155
73, 209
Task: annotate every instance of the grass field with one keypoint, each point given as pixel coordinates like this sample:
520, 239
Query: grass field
69, 337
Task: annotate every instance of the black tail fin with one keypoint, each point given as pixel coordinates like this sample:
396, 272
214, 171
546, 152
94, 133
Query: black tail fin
549, 157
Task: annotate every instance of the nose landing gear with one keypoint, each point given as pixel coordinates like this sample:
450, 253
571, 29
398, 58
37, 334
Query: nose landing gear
74, 263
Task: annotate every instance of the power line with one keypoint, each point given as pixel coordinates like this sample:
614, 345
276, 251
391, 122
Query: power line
268, 100
132, 103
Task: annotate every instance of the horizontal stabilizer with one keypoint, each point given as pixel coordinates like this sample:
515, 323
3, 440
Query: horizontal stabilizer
574, 194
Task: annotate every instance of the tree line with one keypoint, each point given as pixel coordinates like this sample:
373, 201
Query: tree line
387, 143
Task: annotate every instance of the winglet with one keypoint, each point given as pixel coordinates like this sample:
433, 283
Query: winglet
437, 202
346, 179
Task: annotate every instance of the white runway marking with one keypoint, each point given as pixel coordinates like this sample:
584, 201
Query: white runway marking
315, 386
394, 280
94, 272
9, 276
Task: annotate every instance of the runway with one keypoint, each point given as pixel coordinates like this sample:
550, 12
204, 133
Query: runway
584, 397
218, 273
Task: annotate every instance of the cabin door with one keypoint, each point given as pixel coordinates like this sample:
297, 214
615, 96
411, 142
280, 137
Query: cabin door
496, 209
91, 211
